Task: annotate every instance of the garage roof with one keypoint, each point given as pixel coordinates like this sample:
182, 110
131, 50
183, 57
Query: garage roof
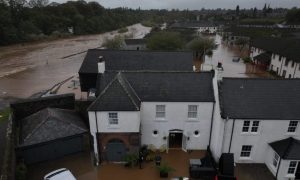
50, 124
287, 148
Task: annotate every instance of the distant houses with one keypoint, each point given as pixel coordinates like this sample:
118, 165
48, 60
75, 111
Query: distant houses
201, 27
134, 44
279, 55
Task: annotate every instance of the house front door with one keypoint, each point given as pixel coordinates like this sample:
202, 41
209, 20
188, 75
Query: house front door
175, 139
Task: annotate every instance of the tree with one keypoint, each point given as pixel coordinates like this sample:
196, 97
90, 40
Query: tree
201, 47
293, 16
241, 42
237, 10
255, 12
165, 41
115, 43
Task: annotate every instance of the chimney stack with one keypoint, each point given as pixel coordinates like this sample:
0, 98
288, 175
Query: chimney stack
101, 65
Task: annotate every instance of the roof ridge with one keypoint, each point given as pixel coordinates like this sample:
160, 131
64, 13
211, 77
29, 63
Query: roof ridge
103, 91
120, 78
55, 115
39, 125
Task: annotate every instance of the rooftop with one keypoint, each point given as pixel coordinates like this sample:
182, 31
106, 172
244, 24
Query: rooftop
135, 41
50, 124
119, 60
287, 148
286, 47
246, 98
152, 87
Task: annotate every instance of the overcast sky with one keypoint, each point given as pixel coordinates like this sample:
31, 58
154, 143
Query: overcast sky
195, 4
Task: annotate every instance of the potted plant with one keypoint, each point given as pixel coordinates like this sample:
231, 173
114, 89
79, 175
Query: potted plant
164, 170
130, 160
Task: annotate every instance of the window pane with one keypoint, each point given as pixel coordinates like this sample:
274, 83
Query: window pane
246, 151
113, 118
292, 126
292, 167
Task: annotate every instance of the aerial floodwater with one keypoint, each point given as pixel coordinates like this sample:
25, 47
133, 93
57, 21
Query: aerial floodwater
31, 68
27, 69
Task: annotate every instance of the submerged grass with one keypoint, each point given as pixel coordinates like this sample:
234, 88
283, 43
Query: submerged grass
4, 115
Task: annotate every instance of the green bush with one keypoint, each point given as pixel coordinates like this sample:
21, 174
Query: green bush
247, 60
4, 115
131, 160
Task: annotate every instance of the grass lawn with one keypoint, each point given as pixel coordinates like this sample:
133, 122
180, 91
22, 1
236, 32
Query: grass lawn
4, 114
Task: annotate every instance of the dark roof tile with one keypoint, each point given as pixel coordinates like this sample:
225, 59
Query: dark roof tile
246, 98
287, 148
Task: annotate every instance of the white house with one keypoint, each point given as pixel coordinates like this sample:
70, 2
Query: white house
279, 55
162, 109
255, 115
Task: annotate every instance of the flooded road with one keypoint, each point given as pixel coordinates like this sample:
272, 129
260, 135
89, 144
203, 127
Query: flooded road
31, 68
224, 54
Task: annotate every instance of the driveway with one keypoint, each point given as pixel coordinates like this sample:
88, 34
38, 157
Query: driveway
253, 172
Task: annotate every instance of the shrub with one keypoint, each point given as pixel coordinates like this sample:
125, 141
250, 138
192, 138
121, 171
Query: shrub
247, 60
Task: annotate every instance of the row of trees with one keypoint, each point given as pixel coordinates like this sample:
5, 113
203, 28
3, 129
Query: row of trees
24, 21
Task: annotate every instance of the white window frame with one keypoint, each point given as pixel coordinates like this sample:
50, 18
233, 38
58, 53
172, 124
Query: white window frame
252, 124
160, 109
292, 125
192, 111
246, 151
276, 158
113, 119
292, 168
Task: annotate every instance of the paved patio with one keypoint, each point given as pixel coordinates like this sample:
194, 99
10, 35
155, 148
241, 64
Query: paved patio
81, 166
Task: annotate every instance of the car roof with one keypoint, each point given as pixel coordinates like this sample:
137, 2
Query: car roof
60, 174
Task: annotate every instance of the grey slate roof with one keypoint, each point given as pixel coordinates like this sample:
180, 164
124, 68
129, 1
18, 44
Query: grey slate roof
246, 98
135, 41
263, 57
286, 47
50, 124
118, 95
152, 87
126, 60
288, 149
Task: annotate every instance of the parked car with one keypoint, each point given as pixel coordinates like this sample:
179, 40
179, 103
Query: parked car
60, 174
236, 59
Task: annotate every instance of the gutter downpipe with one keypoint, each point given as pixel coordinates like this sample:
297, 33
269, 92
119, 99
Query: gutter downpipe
278, 167
97, 157
232, 129
212, 122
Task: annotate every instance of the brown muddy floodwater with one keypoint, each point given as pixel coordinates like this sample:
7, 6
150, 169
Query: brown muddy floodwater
30, 68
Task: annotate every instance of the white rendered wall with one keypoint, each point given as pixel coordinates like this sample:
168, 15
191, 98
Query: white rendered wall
282, 173
269, 131
218, 124
269, 160
176, 118
276, 64
289, 69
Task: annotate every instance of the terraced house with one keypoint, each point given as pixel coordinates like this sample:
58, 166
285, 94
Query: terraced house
155, 99
259, 124
279, 55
